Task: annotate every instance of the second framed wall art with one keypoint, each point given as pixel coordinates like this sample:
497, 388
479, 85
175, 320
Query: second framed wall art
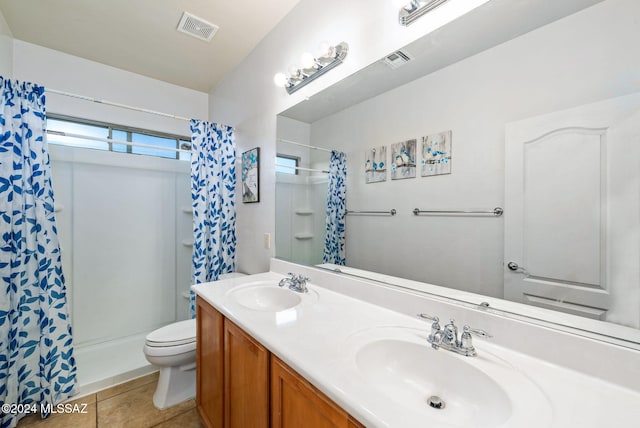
251, 175
434, 152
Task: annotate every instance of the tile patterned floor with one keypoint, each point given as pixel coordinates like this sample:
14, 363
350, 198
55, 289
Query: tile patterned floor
128, 405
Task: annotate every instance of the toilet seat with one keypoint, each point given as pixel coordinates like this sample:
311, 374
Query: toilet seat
169, 351
173, 335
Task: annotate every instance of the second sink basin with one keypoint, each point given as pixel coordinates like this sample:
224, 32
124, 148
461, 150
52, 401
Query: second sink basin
268, 296
414, 374
449, 389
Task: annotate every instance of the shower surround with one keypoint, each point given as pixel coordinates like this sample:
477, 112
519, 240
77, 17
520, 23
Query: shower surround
125, 226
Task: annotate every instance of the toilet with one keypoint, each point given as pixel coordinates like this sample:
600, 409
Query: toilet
173, 349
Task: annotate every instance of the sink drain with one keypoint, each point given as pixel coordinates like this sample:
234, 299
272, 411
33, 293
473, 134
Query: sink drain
435, 402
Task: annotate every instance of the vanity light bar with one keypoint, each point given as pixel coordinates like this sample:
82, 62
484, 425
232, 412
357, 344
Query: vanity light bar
416, 8
312, 68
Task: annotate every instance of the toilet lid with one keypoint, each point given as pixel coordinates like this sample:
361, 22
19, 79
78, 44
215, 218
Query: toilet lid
177, 333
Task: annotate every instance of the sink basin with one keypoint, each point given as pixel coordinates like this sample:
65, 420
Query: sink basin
413, 373
265, 297
444, 389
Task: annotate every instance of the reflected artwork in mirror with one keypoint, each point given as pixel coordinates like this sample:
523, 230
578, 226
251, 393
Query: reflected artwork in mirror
544, 115
403, 160
436, 154
375, 164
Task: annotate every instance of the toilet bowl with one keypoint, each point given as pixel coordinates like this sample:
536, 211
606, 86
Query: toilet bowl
173, 349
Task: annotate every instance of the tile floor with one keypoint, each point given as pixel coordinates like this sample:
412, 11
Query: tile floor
128, 405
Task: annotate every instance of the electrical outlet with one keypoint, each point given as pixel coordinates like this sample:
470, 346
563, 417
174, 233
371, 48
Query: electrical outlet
267, 241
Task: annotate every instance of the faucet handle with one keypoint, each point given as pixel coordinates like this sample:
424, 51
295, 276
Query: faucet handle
429, 317
476, 331
435, 328
466, 342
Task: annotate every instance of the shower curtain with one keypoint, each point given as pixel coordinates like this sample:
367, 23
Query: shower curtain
37, 366
213, 186
334, 251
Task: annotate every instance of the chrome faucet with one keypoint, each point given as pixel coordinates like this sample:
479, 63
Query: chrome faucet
450, 338
297, 283
447, 337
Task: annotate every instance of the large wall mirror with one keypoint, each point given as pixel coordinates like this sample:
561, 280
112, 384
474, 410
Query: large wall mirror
531, 104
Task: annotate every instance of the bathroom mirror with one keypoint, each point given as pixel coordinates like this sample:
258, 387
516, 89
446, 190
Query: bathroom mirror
512, 73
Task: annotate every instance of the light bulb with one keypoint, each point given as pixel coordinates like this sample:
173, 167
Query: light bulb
307, 60
294, 70
280, 79
411, 6
324, 49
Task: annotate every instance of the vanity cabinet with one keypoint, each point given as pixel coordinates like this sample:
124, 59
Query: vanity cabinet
297, 403
209, 364
240, 384
246, 380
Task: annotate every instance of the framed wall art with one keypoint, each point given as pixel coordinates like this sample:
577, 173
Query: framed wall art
375, 164
436, 154
403, 160
251, 175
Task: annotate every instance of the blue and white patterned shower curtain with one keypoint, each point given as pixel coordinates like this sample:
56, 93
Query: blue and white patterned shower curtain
334, 251
37, 366
213, 187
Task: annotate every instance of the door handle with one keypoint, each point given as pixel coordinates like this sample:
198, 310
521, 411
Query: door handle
513, 266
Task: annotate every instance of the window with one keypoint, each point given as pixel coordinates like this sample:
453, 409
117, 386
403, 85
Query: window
145, 142
286, 164
79, 129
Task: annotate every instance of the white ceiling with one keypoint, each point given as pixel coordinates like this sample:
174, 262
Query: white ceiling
140, 36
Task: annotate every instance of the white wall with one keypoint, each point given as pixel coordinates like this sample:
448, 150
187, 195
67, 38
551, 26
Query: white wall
68, 73
248, 100
586, 57
6, 48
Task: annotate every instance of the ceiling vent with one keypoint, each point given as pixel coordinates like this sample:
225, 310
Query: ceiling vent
197, 27
397, 59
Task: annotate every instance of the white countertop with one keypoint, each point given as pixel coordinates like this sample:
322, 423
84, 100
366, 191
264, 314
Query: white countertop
319, 339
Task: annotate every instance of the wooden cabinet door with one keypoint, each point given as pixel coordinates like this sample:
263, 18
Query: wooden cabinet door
246, 380
354, 424
296, 403
209, 364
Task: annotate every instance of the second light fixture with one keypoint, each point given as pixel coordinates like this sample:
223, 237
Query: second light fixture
312, 67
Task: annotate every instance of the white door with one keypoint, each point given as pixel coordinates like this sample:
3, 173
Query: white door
567, 176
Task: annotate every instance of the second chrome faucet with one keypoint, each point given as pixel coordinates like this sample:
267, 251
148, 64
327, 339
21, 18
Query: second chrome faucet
297, 283
447, 337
